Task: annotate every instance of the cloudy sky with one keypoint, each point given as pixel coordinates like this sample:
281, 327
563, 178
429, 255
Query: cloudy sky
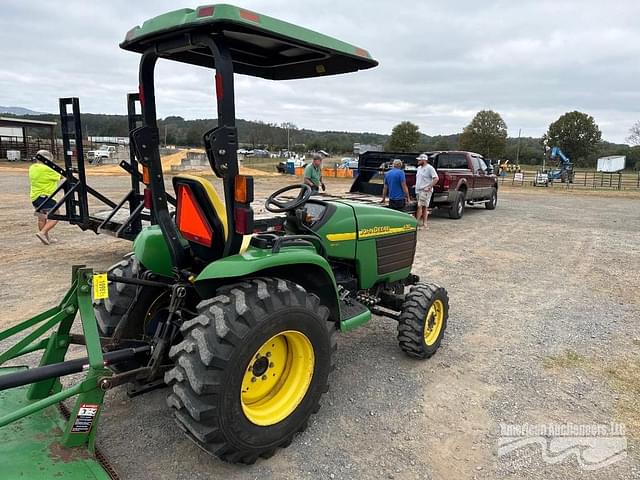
440, 62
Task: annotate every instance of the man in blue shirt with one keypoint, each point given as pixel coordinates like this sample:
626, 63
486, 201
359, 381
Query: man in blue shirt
395, 185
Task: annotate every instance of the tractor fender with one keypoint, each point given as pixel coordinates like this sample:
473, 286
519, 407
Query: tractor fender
301, 265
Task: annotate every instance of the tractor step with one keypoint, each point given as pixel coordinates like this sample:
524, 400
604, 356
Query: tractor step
353, 314
30, 447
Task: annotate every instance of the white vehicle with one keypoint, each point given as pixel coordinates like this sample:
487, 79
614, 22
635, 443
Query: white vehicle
348, 162
542, 179
105, 152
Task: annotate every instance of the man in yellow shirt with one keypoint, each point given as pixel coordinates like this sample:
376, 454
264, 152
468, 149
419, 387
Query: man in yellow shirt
44, 182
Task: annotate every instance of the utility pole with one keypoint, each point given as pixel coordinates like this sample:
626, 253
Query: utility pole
288, 126
165, 136
518, 149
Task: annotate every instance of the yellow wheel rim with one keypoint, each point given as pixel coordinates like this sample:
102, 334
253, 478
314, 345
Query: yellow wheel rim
433, 322
277, 378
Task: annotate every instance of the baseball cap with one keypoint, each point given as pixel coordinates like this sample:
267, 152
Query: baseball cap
423, 156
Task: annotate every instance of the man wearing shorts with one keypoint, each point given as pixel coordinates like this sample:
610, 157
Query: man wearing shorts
44, 182
426, 178
395, 184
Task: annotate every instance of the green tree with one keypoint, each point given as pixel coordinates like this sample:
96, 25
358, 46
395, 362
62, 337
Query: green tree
486, 134
404, 138
634, 134
633, 158
577, 134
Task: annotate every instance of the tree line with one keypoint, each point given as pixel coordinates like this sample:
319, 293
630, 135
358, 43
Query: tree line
576, 133
175, 130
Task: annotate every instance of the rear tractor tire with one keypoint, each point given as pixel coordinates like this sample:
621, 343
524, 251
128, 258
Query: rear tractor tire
142, 307
423, 320
251, 368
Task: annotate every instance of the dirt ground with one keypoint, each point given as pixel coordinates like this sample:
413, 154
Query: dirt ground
543, 329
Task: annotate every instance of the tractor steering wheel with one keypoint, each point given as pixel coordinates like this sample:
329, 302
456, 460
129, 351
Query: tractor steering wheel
279, 206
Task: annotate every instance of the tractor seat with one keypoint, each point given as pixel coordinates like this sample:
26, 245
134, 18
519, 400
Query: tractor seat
200, 216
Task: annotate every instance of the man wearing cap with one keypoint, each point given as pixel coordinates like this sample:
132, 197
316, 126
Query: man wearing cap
395, 184
313, 174
43, 182
426, 179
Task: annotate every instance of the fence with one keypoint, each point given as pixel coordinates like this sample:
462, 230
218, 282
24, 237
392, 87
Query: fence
581, 180
26, 146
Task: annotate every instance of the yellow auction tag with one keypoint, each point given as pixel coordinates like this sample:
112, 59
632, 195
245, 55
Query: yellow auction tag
100, 286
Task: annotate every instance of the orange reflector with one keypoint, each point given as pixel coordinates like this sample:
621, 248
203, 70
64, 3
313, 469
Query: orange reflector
240, 191
249, 15
243, 191
191, 221
146, 177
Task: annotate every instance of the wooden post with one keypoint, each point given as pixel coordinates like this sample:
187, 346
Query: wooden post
53, 142
24, 142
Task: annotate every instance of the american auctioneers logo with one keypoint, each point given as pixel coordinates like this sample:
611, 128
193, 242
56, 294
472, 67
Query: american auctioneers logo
594, 446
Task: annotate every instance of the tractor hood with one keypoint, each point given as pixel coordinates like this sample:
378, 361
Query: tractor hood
375, 222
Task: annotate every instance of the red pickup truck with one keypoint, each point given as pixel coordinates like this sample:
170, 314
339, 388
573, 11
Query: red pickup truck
464, 179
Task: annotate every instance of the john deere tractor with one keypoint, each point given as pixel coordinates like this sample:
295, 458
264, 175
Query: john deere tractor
239, 319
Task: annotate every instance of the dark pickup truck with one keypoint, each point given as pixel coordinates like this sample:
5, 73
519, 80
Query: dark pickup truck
464, 179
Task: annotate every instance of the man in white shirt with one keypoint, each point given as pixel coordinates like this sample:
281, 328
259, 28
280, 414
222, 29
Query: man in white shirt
426, 178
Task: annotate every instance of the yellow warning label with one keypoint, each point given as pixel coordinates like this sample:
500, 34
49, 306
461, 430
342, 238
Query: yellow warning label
100, 286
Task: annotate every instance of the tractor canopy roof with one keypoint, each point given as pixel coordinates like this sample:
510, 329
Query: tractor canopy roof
260, 46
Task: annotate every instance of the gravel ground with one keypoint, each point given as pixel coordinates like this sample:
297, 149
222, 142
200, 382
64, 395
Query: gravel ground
543, 328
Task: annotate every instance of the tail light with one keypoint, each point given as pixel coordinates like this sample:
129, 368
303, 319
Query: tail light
243, 220
446, 182
205, 11
147, 199
191, 221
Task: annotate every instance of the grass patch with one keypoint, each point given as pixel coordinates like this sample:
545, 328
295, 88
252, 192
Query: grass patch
624, 378
568, 359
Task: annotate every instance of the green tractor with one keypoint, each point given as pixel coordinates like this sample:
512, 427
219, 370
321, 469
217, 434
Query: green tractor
238, 319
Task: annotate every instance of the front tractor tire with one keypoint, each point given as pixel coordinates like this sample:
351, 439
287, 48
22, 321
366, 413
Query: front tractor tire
251, 368
423, 320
